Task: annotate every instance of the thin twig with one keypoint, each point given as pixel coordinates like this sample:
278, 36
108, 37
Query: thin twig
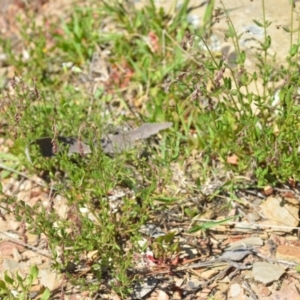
4, 167
31, 248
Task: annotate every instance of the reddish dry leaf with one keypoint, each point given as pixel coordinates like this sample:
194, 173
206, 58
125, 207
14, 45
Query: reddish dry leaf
120, 77
292, 182
205, 292
288, 194
233, 160
263, 291
278, 240
6, 248
296, 243
153, 41
232, 239
289, 253
289, 290
175, 261
268, 190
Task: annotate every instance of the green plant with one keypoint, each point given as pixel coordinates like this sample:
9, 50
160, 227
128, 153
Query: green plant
229, 119
165, 248
16, 287
78, 37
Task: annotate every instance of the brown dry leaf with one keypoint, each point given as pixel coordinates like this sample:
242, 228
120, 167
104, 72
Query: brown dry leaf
288, 194
277, 239
268, 190
261, 290
288, 290
36, 288
92, 254
292, 182
37, 260
295, 243
205, 293
210, 273
221, 293
161, 295
51, 280
233, 160
119, 77
6, 248
280, 213
289, 253
8, 225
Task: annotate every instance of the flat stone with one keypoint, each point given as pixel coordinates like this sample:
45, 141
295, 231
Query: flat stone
235, 290
267, 273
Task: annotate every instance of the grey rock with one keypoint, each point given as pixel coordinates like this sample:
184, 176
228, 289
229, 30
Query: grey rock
142, 289
266, 273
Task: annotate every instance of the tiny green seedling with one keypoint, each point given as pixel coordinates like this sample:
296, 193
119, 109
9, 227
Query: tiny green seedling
165, 247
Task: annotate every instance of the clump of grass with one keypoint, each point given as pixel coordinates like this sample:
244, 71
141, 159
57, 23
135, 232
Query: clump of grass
228, 118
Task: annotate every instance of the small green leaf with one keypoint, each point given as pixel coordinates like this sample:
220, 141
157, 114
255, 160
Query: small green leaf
297, 268
2, 285
258, 23
290, 30
208, 14
267, 43
169, 237
242, 57
34, 272
227, 82
286, 29
267, 23
160, 239
8, 279
294, 50
46, 295
8, 156
166, 199
19, 278
191, 212
234, 92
